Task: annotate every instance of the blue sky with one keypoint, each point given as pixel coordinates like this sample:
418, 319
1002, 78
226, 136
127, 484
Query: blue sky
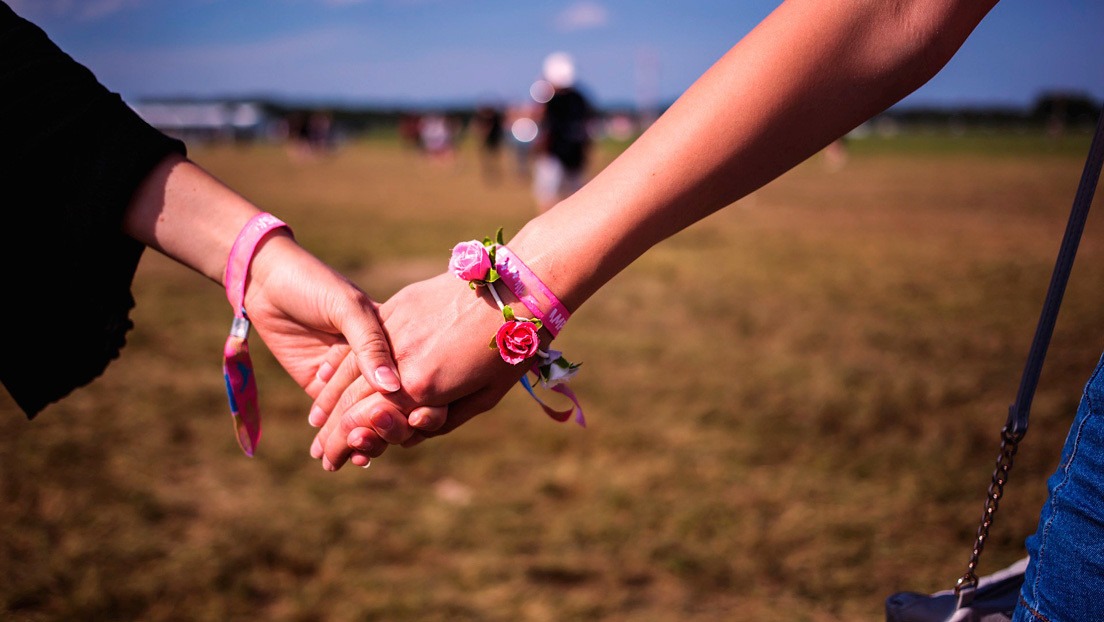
427, 51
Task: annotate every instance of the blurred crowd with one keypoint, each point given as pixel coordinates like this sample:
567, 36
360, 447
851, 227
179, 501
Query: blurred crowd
543, 139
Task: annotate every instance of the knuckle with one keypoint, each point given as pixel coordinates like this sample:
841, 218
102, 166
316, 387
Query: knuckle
346, 401
350, 421
374, 343
354, 298
422, 388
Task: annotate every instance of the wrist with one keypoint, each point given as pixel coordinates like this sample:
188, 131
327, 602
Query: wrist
237, 365
562, 254
275, 255
489, 264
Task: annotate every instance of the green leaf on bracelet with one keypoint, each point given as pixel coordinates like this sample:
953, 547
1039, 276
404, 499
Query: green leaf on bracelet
562, 362
508, 313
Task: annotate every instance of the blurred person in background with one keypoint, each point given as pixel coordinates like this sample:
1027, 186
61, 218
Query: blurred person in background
310, 134
521, 121
809, 73
438, 137
489, 130
562, 146
409, 132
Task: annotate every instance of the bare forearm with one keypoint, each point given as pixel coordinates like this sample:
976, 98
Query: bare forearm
805, 76
185, 213
303, 309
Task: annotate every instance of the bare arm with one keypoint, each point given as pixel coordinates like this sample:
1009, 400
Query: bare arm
303, 309
809, 73
184, 213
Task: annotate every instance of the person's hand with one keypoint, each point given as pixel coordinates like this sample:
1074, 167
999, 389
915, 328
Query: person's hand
308, 314
304, 311
374, 422
439, 331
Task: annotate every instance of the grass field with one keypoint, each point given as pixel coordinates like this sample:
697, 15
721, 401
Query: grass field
794, 410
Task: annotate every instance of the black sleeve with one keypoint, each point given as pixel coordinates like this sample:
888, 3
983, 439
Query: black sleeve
71, 157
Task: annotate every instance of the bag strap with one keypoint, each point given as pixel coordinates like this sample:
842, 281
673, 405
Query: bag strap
1019, 411
1015, 426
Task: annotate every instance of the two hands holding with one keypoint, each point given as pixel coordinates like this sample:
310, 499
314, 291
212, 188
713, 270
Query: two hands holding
342, 349
337, 344
806, 75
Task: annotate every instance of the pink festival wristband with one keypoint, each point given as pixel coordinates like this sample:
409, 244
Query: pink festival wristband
530, 290
482, 264
237, 366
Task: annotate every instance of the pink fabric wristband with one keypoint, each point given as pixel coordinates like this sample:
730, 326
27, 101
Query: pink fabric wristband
237, 366
241, 255
530, 290
482, 264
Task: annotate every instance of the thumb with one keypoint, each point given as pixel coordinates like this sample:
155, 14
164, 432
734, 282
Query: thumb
360, 324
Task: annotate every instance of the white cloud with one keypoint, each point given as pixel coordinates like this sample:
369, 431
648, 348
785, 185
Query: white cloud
344, 3
99, 8
582, 15
266, 64
85, 9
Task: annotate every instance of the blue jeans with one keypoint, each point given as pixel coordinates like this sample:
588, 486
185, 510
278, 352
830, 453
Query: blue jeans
1065, 579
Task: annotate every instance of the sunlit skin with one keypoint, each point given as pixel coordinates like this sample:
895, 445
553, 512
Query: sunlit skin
303, 310
809, 73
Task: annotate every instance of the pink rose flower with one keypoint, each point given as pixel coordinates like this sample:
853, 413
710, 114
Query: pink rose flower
516, 341
470, 261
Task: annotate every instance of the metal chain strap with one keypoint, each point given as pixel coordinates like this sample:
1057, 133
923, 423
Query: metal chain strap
1010, 443
1018, 413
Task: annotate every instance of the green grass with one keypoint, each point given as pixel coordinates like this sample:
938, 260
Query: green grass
995, 142
794, 409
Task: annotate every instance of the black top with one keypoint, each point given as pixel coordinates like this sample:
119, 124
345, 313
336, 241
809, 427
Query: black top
564, 126
71, 157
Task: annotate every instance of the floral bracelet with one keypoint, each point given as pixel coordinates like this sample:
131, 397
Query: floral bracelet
517, 340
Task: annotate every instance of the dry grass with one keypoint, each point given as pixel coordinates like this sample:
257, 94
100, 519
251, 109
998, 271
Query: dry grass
794, 411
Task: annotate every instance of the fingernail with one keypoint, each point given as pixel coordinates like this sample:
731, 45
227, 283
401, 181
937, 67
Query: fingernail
360, 460
325, 372
387, 379
360, 441
367, 465
417, 419
317, 417
383, 421
316, 449
326, 464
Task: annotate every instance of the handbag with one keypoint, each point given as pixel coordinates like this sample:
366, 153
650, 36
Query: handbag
993, 598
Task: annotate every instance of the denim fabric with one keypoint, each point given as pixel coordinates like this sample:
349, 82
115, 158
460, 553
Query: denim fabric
1065, 579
